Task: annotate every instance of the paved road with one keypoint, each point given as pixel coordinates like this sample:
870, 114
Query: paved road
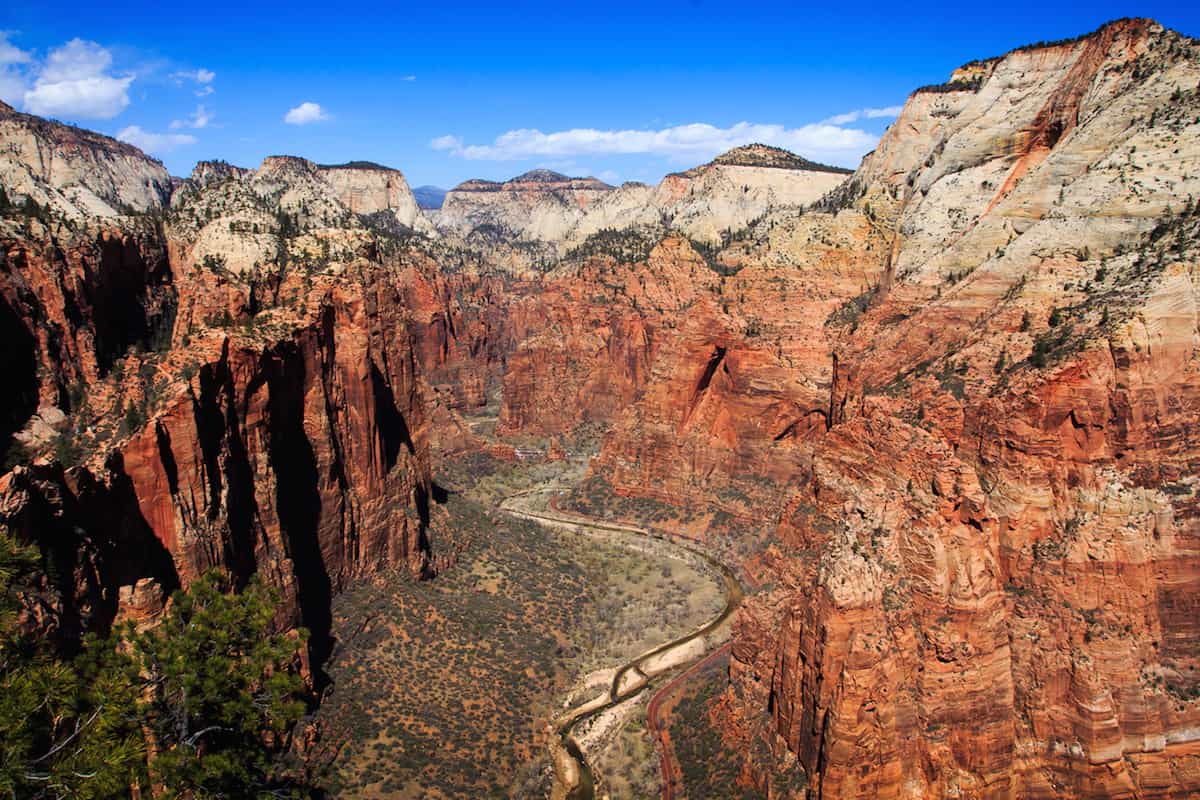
657, 725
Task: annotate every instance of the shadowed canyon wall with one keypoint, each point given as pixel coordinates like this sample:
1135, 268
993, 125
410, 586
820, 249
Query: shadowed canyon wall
942, 411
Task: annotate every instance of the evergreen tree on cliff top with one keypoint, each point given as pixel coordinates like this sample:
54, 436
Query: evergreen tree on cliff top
67, 729
222, 698
198, 706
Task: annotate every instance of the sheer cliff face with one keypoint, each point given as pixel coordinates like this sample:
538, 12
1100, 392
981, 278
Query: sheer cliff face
536, 205
953, 403
73, 300
287, 212
977, 439
263, 417
301, 457
77, 173
79, 284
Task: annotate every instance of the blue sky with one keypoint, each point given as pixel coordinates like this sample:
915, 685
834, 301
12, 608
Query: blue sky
624, 91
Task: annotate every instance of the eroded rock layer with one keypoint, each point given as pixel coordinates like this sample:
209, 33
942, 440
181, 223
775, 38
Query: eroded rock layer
184, 412
979, 447
942, 412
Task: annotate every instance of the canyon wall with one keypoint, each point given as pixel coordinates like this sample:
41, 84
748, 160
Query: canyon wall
941, 412
182, 408
974, 425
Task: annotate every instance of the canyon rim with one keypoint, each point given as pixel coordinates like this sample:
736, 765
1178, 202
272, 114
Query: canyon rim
917, 444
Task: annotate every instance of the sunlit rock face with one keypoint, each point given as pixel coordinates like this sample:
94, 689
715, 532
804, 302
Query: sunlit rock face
531, 222
950, 398
77, 173
982, 488
229, 381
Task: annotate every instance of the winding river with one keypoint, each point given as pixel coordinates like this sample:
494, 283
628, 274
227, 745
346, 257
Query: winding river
573, 776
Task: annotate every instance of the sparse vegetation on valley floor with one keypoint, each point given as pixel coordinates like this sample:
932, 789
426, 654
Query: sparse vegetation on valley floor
444, 688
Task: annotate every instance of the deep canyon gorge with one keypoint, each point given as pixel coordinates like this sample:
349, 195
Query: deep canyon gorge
938, 418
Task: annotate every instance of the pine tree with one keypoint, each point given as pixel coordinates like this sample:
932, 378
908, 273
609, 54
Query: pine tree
221, 688
198, 706
66, 727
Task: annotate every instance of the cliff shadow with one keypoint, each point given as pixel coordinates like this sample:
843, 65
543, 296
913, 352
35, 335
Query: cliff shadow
132, 300
298, 505
18, 364
93, 540
392, 425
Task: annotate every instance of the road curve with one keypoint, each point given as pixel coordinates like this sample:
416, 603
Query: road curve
634, 675
659, 728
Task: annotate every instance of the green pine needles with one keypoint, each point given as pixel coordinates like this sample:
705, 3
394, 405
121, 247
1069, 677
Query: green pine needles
200, 705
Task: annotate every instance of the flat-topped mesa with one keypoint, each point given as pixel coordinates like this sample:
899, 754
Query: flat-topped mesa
538, 180
363, 187
368, 188
75, 172
709, 202
539, 205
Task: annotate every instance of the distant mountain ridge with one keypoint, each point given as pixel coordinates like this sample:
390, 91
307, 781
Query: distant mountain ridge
429, 197
538, 179
552, 212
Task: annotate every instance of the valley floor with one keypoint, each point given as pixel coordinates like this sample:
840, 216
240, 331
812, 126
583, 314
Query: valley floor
445, 688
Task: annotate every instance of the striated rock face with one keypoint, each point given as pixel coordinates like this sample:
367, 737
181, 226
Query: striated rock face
713, 201
944, 415
586, 339
302, 458
535, 219
76, 173
299, 457
367, 189
461, 326
540, 204
73, 300
275, 425
967, 427
287, 212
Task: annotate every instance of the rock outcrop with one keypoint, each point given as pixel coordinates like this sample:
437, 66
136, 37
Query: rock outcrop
976, 466
275, 426
73, 299
540, 204
537, 218
77, 173
943, 410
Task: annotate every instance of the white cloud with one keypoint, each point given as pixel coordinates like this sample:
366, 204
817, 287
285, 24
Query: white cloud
13, 81
409, 78
200, 76
10, 53
447, 143
75, 82
156, 143
305, 113
203, 79
199, 119
864, 113
692, 142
